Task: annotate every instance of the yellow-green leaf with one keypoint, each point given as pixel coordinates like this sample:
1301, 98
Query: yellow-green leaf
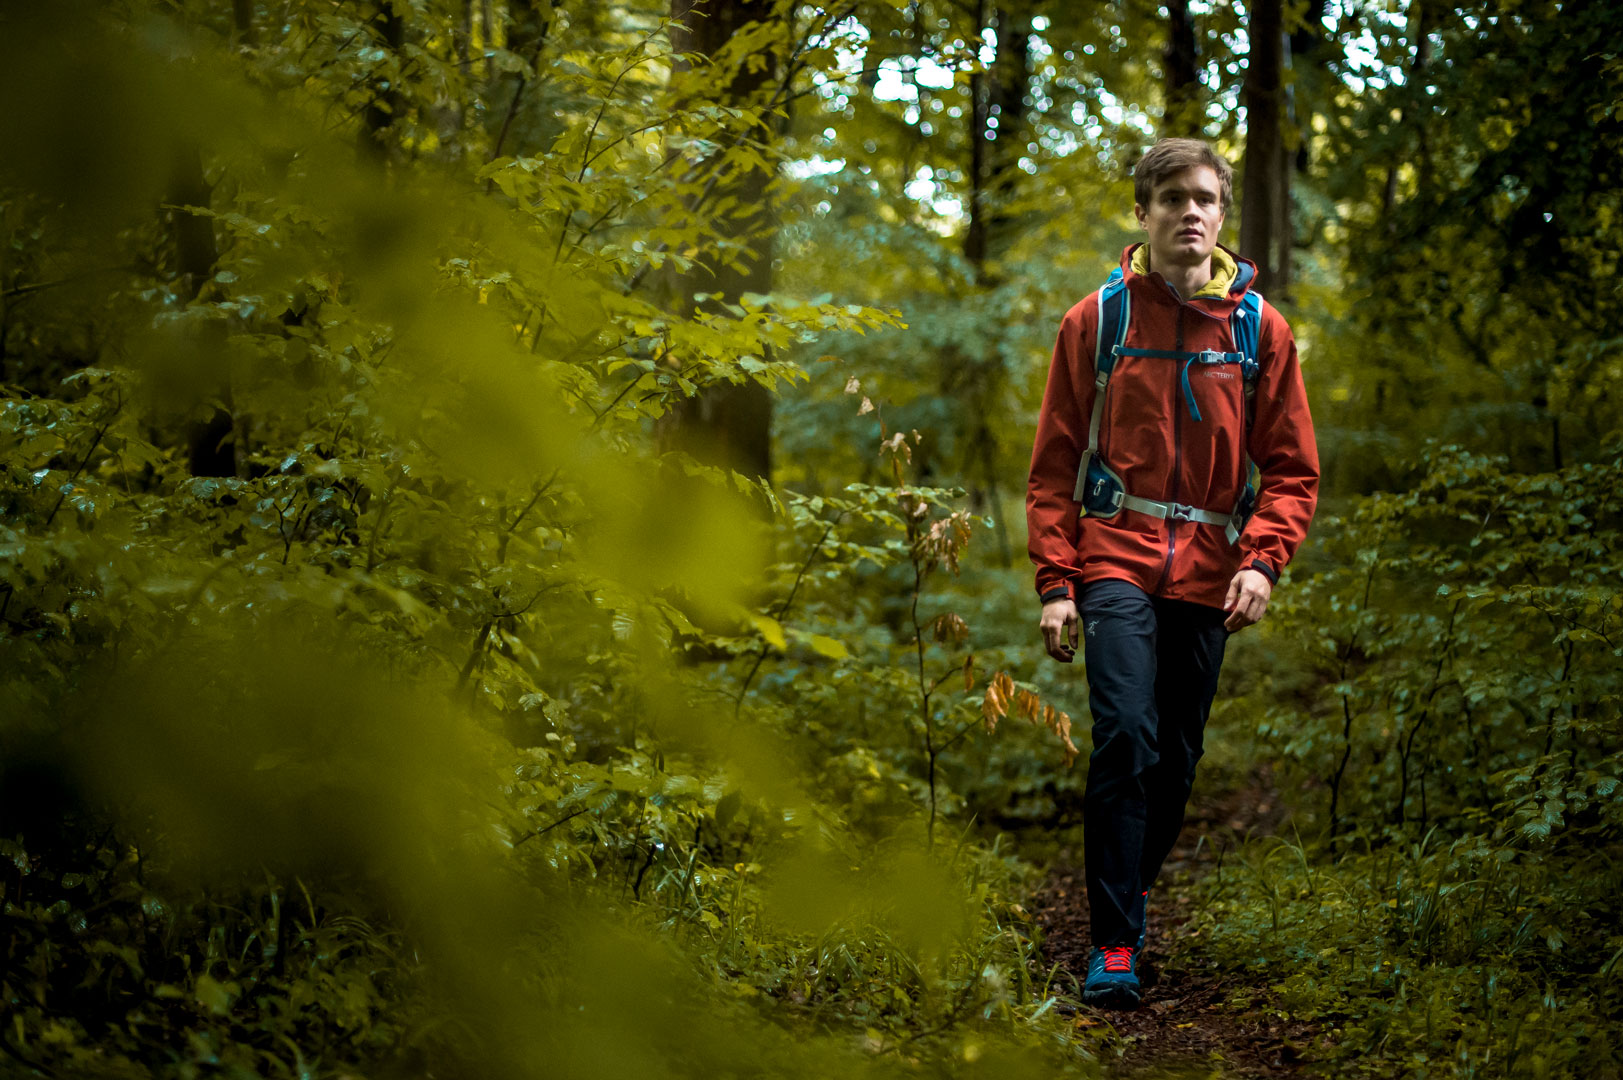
827, 646
214, 994
771, 630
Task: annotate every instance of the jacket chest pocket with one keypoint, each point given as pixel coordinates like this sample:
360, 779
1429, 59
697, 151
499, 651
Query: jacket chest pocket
1136, 430
1218, 392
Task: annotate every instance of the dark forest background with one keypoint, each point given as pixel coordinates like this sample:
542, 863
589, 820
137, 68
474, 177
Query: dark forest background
511, 547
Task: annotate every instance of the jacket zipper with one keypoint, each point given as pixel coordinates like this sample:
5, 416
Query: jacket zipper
1177, 459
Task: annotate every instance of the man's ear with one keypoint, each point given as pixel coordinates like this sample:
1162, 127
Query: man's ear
1138, 212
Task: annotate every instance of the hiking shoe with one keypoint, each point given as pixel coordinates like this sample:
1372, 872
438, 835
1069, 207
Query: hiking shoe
1112, 978
1148, 976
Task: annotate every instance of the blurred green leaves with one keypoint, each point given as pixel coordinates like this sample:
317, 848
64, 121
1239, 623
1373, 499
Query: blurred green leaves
424, 739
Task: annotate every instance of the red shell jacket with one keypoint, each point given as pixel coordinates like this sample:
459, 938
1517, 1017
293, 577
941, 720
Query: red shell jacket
1150, 439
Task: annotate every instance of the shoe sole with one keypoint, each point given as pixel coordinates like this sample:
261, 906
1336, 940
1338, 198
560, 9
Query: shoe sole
1112, 997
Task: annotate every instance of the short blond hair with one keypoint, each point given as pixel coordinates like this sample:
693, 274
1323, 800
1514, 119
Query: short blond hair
1172, 156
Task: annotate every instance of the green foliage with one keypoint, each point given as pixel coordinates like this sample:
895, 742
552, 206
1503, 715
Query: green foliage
1429, 959
377, 756
1476, 204
1443, 690
1457, 653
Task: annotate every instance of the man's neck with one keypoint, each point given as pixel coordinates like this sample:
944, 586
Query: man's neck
1188, 280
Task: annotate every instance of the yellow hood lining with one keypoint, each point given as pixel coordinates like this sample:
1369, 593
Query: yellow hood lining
1224, 271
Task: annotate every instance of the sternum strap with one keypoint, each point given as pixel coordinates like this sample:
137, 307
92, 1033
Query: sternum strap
1176, 511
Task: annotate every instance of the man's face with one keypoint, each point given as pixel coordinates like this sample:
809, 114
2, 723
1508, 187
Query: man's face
1183, 217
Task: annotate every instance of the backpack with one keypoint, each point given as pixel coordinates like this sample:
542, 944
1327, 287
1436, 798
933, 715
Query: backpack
1098, 487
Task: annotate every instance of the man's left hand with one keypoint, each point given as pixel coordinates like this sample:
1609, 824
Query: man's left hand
1247, 599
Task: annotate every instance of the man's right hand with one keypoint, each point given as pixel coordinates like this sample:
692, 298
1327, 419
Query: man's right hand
1059, 627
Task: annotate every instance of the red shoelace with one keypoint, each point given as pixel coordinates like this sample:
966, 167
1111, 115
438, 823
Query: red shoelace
1119, 958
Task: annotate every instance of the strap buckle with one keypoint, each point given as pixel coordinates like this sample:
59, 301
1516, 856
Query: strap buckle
1210, 356
1180, 512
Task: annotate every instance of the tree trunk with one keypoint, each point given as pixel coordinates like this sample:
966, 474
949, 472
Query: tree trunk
1284, 227
728, 425
1006, 101
210, 448
1285, 166
1183, 115
994, 171
994, 150
1260, 213
1311, 66
242, 14
1421, 13
975, 233
384, 107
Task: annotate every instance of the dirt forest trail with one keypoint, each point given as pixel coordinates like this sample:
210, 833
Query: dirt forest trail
1185, 1026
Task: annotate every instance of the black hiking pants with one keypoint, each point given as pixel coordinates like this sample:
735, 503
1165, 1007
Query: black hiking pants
1152, 672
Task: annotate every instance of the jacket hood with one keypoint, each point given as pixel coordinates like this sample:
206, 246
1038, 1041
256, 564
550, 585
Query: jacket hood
1232, 275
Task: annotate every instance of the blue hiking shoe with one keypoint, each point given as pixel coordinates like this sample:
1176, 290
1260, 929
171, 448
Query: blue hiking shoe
1112, 981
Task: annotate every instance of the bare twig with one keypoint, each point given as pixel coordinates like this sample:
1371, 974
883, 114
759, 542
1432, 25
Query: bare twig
760, 656
543, 831
518, 93
83, 463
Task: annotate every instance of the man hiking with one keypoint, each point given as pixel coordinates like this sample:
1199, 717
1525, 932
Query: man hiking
1166, 386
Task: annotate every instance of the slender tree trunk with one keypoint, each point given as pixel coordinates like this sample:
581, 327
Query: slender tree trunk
998, 93
210, 447
242, 14
384, 107
1006, 103
997, 138
487, 25
1260, 205
1183, 115
1284, 200
1421, 13
1310, 65
729, 425
975, 233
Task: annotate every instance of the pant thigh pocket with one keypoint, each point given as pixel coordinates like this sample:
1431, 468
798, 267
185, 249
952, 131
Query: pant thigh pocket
1113, 600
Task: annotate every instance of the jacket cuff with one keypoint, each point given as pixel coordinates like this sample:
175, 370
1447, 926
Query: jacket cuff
1058, 592
1265, 570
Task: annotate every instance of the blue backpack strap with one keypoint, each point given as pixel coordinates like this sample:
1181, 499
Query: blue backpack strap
1099, 488
1102, 495
1246, 324
1115, 311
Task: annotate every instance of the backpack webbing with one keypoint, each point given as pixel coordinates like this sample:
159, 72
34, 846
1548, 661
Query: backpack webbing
1098, 487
